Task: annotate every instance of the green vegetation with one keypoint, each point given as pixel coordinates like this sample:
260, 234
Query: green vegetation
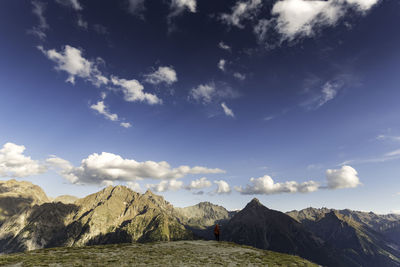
187, 253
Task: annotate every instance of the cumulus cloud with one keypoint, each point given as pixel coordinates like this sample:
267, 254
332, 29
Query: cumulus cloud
222, 187
199, 184
136, 7
204, 92
70, 60
345, 177
243, 10
13, 162
293, 19
266, 185
38, 11
224, 46
227, 111
210, 92
70, 3
134, 186
179, 6
162, 75
133, 91
221, 64
107, 166
171, 185
102, 109
63, 167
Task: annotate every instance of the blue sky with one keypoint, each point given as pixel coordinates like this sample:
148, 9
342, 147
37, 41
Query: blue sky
294, 102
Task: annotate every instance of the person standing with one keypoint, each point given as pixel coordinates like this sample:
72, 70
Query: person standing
216, 232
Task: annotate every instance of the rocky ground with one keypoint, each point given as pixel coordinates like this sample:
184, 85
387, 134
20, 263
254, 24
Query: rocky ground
178, 253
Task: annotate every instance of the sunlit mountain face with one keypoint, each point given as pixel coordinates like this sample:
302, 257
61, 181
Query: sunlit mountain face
292, 101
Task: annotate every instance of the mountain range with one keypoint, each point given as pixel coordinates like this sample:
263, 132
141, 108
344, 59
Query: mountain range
31, 220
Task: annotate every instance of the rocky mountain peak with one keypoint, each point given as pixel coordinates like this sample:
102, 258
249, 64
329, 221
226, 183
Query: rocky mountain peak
254, 203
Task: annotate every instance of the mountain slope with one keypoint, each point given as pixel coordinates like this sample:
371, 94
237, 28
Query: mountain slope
203, 215
113, 215
16, 196
352, 236
263, 228
179, 253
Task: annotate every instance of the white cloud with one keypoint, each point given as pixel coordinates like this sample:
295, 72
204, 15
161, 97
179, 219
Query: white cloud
179, 6
266, 185
134, 186
102, 109
39, 30
222, 187
227, 111
133, 91
162, 75
199, 184
239, 76
136, 7
221, 64
126, 124
107, 166
13, 163
224, 46
204, 92
328, 91
302, 18
171, 185
208, 93
243, 10
70, 60
70, 3
63, 167
345, 177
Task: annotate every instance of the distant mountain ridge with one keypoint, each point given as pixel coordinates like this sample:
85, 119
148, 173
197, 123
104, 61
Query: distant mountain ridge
359, 237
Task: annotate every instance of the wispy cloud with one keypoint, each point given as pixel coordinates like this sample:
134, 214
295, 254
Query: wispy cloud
227, 110
74, 4
224, 46
39, 30
243, 10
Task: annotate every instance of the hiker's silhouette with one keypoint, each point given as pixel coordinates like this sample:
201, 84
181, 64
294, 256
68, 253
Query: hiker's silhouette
216, 232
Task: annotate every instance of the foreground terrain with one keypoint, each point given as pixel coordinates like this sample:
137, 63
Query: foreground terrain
29, 221
177, 253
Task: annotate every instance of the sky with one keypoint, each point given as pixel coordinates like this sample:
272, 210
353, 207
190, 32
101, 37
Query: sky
295, 102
